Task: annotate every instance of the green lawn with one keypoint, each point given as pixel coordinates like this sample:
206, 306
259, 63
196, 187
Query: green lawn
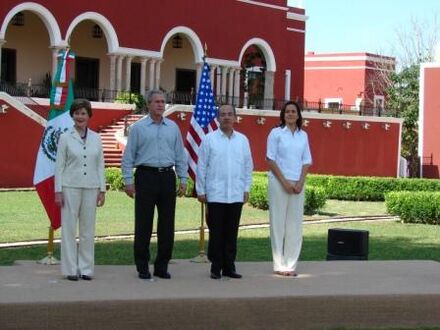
388, 241
22, 216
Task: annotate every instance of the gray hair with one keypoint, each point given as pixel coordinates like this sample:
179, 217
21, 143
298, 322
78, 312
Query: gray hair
234, 111
151, 93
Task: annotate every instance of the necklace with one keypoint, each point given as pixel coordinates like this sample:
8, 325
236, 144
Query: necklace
83, 136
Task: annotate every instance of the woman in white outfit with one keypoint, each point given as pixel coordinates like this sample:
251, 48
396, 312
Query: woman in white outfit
79, 189
288, 156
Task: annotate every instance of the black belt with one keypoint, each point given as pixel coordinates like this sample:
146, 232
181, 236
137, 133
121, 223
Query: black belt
155, 169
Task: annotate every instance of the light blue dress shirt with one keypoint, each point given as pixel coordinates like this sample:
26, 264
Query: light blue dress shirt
224, 167
156, 145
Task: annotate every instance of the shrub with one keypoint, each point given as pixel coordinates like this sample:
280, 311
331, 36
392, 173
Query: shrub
414, 207
131, 98
258, 194
113, 177
368, 188
315, 197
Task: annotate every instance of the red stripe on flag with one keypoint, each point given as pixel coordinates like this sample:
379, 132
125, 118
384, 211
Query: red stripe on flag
45, 190
192, 153
195, 135
191, 173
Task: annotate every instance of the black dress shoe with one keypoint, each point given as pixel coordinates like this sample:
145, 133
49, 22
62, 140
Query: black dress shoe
145, 275
164, 275
86, 277
232, 274
215, 276
72, 277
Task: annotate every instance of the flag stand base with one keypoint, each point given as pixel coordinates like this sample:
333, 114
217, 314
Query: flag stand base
201, 258
49, 260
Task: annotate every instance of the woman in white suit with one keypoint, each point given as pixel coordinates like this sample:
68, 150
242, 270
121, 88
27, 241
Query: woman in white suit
288, 156
79, 189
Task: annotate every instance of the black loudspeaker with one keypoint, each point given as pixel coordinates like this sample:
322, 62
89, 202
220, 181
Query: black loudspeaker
347, 244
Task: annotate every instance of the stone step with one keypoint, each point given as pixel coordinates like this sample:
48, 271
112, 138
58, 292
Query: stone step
112, 154
112, 151
112, 164
112, 159
112, 127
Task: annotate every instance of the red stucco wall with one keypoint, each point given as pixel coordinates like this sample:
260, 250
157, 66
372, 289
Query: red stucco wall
335, 150
345, 75
225, 26
19, 141
430, 140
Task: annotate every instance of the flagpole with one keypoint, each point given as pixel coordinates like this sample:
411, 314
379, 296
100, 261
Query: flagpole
202, 258
49, 259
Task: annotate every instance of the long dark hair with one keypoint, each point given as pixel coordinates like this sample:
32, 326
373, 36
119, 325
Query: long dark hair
299, 121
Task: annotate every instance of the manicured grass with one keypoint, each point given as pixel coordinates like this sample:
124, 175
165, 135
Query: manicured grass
348, 208
388, 241
23, 218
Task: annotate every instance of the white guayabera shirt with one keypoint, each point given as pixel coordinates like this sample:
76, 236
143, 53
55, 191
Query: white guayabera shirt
224, 168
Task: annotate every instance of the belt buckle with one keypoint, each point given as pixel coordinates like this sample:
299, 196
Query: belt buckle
161, 169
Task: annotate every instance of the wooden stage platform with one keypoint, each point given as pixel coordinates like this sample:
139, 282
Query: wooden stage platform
326, 295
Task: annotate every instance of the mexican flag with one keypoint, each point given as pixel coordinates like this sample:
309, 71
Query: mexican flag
59, 121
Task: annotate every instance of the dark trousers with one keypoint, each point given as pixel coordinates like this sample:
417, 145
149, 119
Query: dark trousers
154, 189
223, 221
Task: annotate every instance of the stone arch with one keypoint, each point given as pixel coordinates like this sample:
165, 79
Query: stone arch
103, 22
266, 50
193, 38
43, 13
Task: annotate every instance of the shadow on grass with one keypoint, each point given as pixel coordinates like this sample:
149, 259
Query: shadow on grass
249, 249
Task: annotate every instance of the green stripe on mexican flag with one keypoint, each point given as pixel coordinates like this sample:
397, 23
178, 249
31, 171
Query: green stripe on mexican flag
59, 121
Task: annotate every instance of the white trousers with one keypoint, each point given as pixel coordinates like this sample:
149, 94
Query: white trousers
286, 218
79, 210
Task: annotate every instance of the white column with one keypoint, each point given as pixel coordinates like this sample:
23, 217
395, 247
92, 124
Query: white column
119, 73
288, 78
237, 85
143, 75
128, 73
55, 51
212, 75
112, 72
231, 86
218, 72
246, 89
157, 75
151, 74
199, 68
268, 89
224, 73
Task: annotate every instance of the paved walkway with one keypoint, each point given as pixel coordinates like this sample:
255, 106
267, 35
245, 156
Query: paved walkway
324, 295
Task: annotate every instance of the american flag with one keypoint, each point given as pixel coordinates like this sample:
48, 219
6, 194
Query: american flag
203, 120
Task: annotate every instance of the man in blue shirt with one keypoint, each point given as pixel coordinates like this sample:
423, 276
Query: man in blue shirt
223, 180
155, 148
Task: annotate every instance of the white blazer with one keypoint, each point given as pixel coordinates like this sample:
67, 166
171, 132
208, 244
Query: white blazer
79, 164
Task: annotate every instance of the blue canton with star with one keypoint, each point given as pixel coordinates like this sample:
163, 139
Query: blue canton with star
205, 110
